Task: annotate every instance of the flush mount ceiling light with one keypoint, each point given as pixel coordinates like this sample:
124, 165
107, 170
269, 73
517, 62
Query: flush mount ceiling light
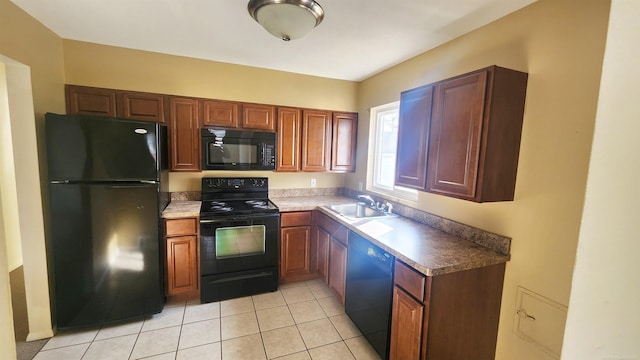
286, 19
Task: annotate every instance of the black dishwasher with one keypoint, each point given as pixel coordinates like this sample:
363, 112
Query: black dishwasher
369, 291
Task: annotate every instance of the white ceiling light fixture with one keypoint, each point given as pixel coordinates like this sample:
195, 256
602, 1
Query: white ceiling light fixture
286, 19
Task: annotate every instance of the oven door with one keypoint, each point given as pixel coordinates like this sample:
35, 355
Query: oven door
239, 243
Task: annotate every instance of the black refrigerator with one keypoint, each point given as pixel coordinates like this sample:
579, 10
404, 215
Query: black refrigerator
107, 189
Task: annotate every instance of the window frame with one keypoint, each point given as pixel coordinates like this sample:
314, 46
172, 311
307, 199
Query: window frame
397, 192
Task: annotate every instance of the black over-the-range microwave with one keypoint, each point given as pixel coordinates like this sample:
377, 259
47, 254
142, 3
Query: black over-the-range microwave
224, 149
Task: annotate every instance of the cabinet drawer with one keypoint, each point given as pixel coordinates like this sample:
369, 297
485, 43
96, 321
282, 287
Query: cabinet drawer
298, 218
328, 223
410, 280
173, 227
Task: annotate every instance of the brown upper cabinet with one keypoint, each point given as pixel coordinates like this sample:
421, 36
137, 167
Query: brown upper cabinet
259, 117
343, 144
473, 135
289, 132
140, 106
328, 141
85, 100
316, 140
308, 140
413, 137
220, 113
184, 134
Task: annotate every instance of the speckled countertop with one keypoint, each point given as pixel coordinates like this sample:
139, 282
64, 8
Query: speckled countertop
179, 209
426, 249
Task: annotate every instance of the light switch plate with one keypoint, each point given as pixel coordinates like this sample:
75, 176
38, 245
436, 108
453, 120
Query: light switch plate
540, 321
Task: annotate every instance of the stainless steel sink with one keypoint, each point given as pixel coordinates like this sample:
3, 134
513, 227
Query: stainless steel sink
356, 211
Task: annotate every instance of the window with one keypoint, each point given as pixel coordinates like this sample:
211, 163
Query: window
384, 141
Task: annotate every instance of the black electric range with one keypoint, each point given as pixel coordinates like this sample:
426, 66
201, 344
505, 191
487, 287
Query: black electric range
239, 238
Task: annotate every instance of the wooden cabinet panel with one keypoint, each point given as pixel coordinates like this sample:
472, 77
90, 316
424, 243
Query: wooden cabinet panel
184, 134
458, 318
289, 132
322, 239
337, 268
259, 117
343, 144
141, 106
295, 252
84, 100
182, 264
295, 218
475, 135
220, 113
296, 247
413, 137
316, 140
456, 127
186, 226
409, 280
182, 267
406, 326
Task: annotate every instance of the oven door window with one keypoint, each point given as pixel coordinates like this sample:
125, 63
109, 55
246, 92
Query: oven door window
238, 241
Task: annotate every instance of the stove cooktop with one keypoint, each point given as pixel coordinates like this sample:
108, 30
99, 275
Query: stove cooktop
232, 196
232, 207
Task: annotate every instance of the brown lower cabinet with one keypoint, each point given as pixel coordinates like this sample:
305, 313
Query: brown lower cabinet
321, 246
182, 262
337, 267
313, 245
450, 316
332, 242
295, 247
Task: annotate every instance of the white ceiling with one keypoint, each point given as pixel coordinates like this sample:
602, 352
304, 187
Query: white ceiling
358, 38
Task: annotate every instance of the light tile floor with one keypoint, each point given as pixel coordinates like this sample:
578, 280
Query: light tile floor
299, 321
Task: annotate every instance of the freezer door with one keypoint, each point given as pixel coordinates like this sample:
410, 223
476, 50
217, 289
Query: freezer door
104, 253
85, 148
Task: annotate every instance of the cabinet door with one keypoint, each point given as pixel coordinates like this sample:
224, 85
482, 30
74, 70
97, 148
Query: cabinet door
343, 144
316, 140
220, 113
337, 268
322, 253
259, 117
184, 134
413, 137
295, 253
182, 264
289, 131
84, 100
406, 326
141, 106
455, 139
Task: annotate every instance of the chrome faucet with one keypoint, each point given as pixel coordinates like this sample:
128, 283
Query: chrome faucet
372, 203
389, 207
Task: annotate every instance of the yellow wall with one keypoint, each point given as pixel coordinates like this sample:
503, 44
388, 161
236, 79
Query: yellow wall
560, 43
111, 67
38, 52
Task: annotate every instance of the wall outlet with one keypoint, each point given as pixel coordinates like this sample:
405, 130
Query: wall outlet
313, 183
360, 186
